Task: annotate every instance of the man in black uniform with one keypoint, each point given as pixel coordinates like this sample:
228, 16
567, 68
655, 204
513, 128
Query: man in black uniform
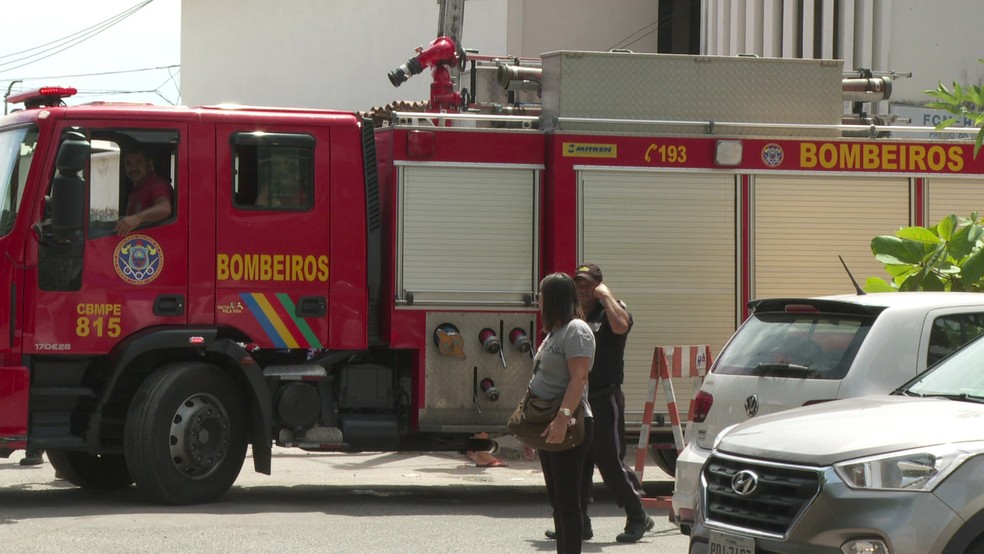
611, 322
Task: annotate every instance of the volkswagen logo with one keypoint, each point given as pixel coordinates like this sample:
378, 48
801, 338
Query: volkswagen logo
752, 405
744, 482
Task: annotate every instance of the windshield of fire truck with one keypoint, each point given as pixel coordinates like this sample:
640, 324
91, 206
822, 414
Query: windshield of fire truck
16, 152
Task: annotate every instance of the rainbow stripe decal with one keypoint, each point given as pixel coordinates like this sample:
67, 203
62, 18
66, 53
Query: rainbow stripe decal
275, 313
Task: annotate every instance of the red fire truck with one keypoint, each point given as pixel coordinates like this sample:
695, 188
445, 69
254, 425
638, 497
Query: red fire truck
331, 286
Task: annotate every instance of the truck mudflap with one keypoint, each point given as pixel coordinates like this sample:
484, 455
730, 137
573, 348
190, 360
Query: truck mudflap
261, 404
14, 391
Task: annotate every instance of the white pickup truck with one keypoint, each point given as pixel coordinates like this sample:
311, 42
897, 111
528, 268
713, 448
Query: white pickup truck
794, 352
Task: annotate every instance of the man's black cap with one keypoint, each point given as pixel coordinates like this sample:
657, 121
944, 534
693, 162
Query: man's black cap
591, 272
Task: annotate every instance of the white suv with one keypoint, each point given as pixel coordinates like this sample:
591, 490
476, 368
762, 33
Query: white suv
876, 474
802, 351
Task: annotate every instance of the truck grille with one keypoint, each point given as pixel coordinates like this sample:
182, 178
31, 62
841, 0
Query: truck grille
780, 495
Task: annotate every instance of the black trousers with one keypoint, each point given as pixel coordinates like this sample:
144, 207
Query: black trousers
607, 452
562, 473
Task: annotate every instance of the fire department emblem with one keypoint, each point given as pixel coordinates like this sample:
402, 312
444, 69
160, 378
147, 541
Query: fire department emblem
139, 259
772, 155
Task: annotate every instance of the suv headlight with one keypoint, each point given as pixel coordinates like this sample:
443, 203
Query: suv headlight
919, 469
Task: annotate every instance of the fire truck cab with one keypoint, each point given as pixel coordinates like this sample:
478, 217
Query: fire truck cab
248, 315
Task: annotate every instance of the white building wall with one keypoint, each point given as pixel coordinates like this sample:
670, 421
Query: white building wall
936, 41
312, 53
550, 25
932, 40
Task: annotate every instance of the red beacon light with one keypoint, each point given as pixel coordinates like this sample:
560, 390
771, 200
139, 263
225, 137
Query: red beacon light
42, 97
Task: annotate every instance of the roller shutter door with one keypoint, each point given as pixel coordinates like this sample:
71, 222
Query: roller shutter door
802, 223
953, 196
468, 234
666, 245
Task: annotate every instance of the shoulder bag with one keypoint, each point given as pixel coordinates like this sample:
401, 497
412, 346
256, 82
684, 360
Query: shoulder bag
531, 417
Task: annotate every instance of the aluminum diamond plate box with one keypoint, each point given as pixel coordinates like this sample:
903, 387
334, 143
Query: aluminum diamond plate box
452, 399
696, 89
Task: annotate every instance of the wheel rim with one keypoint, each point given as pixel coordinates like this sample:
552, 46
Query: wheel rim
200, 436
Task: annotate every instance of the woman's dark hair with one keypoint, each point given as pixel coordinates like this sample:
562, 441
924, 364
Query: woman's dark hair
558, 301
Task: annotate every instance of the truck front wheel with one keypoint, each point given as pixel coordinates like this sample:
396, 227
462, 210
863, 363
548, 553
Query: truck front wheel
185, 438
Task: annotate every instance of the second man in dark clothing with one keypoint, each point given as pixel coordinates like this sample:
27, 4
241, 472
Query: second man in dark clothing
610, 320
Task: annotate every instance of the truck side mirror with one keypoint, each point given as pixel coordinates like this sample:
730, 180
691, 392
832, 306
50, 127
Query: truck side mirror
67, 200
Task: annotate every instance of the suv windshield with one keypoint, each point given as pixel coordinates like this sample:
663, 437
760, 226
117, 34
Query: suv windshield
960, 375
16, 152
810, 345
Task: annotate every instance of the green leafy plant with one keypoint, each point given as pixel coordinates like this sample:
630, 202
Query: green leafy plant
948, 256
964, 101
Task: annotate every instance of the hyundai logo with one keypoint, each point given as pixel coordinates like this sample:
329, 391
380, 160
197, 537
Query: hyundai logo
744, 482
752, 405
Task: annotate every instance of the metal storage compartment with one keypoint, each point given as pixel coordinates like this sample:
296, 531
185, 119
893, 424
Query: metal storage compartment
706, 90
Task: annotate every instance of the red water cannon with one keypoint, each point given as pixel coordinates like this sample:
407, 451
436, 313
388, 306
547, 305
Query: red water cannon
438, 55
440, 52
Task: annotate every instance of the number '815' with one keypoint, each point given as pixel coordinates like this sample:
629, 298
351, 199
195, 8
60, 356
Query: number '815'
97, 326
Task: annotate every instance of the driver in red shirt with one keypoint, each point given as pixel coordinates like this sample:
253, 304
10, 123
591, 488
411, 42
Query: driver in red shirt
150, 197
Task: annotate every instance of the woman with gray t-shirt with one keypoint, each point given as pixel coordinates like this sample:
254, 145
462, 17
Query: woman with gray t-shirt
561, 369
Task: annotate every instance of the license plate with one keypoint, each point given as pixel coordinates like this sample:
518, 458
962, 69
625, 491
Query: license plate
726, 543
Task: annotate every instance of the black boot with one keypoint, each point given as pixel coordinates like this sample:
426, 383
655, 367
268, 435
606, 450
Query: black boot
637, 523
586, 532
32, 458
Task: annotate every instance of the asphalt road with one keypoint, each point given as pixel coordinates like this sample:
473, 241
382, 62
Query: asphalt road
380, 502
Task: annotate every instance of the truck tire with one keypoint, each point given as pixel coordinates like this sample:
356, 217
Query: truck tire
104, 473
665, 459
185, 437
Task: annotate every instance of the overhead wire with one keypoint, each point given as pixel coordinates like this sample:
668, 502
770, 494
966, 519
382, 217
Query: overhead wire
49, 49
173, 70
632, 38
626, 41
96, 74
171, 76
57, 46
120, 92
2, 56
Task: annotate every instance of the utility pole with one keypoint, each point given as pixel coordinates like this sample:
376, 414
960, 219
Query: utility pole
9, 88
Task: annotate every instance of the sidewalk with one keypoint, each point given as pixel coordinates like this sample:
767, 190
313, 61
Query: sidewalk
416, 469
323, 502
404, 470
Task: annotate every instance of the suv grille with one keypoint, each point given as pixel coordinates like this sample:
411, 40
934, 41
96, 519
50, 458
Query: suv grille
779, 496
